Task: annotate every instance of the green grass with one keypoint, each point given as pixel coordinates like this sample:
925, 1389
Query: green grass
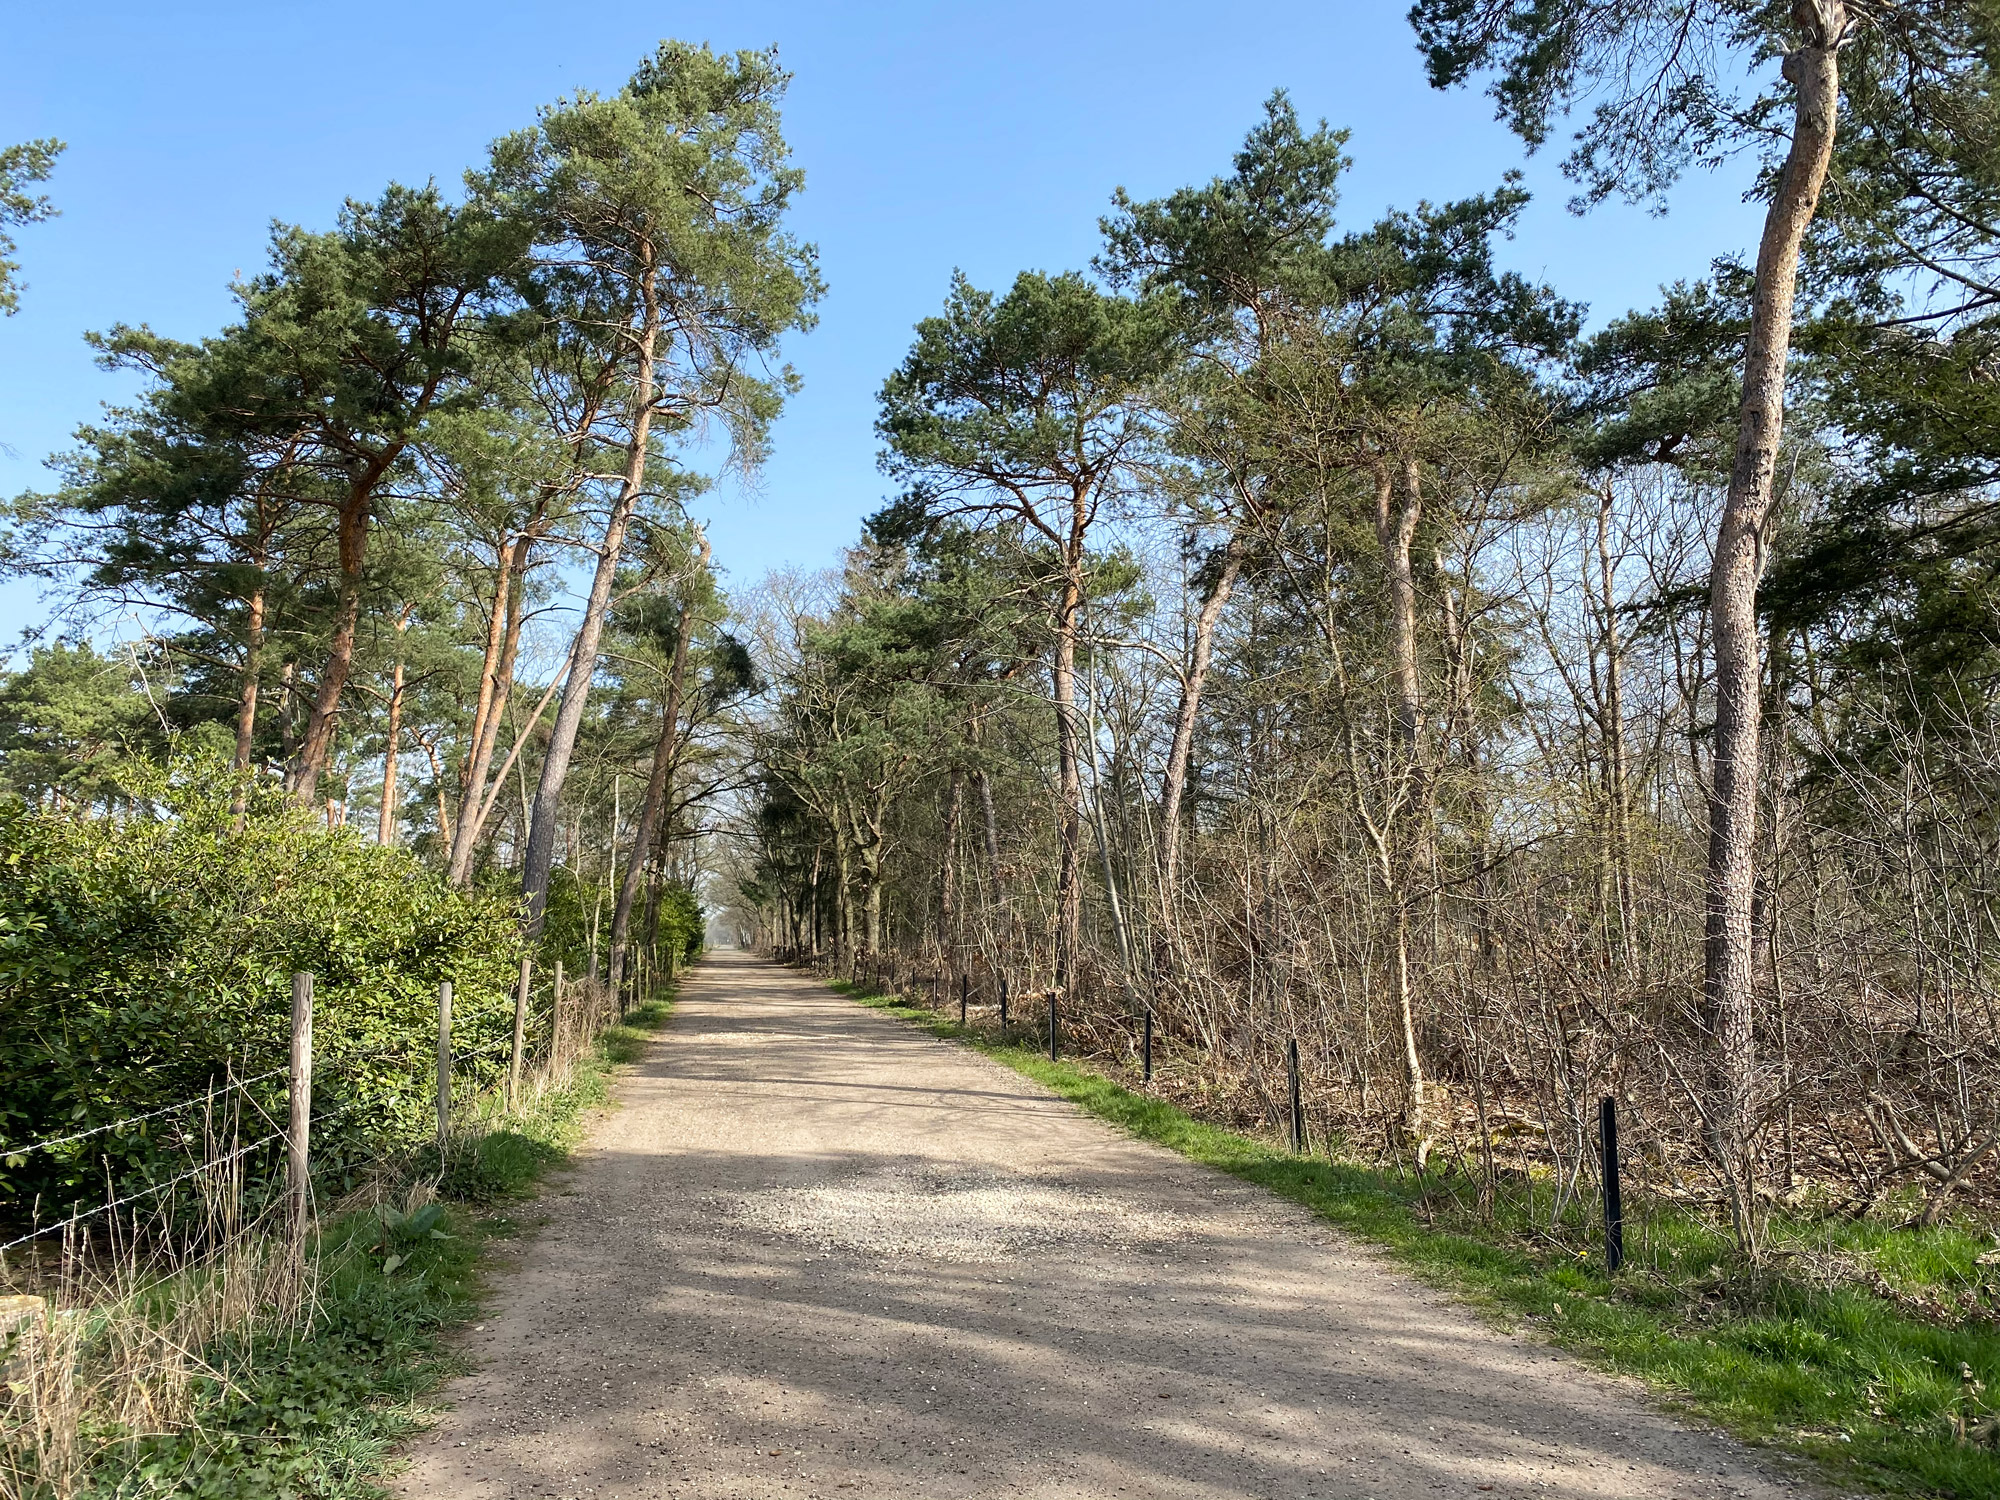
319, 1413
1821, 1367
505, 1157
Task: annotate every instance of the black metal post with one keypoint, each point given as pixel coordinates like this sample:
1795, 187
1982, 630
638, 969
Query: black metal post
1146, 1049
1003, 1006
1298, 1104
964, 989
1614, 1206
1052, 1025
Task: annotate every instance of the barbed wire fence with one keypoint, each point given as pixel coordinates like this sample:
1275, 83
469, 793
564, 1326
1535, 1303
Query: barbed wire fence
549, 1037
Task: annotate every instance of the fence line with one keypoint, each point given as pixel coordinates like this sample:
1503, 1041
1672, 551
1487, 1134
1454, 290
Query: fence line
587, 1020
340, 1111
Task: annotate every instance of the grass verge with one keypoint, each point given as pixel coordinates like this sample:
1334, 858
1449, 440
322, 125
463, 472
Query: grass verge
1825, 1369
317, 1413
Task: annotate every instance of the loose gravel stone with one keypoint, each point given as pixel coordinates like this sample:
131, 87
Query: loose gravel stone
968, 1217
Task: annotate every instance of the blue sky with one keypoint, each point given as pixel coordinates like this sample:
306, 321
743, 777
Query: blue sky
934, 136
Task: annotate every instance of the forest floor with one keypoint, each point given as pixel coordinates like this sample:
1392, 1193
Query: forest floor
820, 1253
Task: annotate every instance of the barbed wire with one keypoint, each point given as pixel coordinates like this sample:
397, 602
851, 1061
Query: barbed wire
505, 1041
8, 1153
159, 1187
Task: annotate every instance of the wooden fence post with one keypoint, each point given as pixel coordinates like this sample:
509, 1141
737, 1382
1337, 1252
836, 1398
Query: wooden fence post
555, 1012
520, 1033
444, 1068
300, 1142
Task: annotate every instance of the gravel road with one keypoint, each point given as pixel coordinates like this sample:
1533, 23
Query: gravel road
819, 1253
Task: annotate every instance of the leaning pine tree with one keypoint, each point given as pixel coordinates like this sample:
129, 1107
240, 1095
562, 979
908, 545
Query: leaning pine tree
663, 239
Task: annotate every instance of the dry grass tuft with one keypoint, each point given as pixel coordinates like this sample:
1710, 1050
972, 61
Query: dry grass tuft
105, 1344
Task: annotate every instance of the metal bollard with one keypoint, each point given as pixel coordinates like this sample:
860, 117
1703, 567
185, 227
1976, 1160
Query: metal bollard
1003, 1006
964, 993
1146, 1051
1614, 1206
1298, 1104
1052, 1025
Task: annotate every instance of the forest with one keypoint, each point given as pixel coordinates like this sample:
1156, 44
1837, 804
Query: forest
1298, 630
1293, 646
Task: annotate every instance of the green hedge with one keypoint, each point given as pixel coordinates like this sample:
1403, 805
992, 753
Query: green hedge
147, 955
682, 922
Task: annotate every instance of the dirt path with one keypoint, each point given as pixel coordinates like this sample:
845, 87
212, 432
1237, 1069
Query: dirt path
818, 1253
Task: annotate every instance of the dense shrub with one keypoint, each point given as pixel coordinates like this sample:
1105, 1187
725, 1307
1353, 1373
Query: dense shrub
682, 922
577, 911
147, 958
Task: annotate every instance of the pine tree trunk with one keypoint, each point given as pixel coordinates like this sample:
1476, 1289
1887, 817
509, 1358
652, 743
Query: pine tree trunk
1732, 1091
287, 730
317, 747
246, 706
948, 917
246, 698
1175, 782
989, 827
1069, 871
385, 822
658, 780
583, 659
872, 863
496, 687
844, 900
